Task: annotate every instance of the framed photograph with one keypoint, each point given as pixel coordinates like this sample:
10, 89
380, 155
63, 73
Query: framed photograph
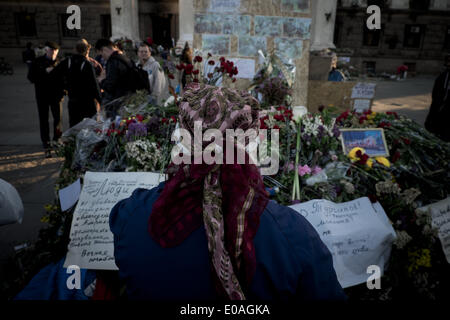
370, 139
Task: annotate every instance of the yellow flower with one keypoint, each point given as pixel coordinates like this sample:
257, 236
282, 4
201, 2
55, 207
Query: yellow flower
369, 163
382, 160
352, 154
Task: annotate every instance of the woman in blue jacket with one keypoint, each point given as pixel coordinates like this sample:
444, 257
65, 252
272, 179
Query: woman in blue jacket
210, 232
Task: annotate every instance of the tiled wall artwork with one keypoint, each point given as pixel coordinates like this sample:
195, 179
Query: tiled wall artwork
208, 23
222, 24
244, 34
216, 44
224, 5
289, 47
297, 27
238, 25
268, 26
249, 45
295, 5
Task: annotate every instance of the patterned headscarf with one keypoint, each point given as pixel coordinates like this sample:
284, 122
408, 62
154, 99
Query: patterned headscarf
227, 198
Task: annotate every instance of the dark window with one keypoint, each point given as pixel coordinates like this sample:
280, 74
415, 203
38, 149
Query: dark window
25, 24
421, 5
369, 67
413, 35
337, 29
105, 20
66, 32
381, 3
371, 38
447, 39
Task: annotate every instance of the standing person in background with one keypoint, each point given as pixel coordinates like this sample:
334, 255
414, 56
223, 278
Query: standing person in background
116, 80
80, 81
49, 93
439, 114
158, 83
186, 58
28, 55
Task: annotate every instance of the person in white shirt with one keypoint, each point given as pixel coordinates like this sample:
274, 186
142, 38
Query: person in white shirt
159, 89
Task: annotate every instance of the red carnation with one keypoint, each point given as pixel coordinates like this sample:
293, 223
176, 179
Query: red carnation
210, 75
222, 59
278, 117
359, 153
140, 117
209, 55
195, 71
195, 80
234, 80
396, 157
211, 62
170, 76
276, 127
188, 69
362, 119
406, 141
198, 59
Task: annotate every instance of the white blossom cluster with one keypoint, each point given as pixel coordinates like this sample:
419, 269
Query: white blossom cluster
145, 153
410, 195
403, 238
348, 186
387, 187
311, 125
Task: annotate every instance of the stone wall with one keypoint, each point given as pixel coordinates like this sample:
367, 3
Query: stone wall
238, 28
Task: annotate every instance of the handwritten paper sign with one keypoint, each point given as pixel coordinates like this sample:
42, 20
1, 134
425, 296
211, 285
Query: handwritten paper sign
69, 195
246, 68
363, 91
361, 105
357, 233
224, 5
440, 215
91, 241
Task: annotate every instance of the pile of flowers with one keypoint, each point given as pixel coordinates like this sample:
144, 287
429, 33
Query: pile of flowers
312, 166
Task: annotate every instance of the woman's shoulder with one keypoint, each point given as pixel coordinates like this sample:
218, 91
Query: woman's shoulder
290, 231
125, 208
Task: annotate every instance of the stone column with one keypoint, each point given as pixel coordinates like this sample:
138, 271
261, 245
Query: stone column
322, 28
186, 22
125, 19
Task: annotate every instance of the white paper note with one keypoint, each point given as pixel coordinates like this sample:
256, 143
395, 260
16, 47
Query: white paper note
91, 240
363, 91
357, 234
69, 195
246, 68
440, 215
361, 105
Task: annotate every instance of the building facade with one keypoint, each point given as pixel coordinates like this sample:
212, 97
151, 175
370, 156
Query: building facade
415, 33
34, 21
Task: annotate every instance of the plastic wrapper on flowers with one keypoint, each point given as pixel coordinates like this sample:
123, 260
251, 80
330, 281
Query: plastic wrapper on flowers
274, 80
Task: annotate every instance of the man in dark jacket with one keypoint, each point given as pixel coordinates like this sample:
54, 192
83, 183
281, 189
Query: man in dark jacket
115, 82
49, 93
439, 114
81, 84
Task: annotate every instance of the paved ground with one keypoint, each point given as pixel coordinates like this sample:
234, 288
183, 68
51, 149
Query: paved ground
411, 97
22, 161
